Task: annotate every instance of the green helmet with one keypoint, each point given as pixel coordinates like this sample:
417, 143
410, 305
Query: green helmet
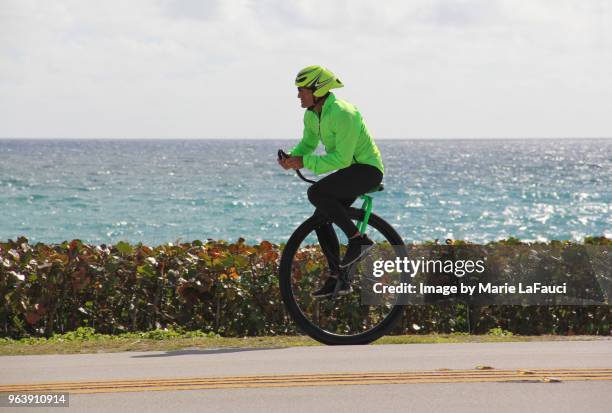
317, 78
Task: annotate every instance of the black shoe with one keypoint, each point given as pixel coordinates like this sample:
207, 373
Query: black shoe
329, 287
357, 248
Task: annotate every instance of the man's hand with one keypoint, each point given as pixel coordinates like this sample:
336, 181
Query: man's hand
292, 162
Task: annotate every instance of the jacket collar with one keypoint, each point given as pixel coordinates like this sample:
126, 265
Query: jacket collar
327, 104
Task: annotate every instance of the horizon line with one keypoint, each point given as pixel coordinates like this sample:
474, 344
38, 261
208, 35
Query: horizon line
297, 138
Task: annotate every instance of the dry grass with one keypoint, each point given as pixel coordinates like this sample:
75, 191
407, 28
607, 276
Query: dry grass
110, 344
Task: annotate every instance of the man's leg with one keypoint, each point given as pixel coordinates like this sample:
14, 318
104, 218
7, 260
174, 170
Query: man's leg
344, 184
327, 195
328, 240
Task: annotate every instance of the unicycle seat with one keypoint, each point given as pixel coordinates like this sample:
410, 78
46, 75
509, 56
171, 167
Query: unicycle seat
378, 188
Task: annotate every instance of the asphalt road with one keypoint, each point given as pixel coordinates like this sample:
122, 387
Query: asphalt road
501, 377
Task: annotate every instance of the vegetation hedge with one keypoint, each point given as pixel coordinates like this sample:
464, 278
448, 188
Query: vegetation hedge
214, 286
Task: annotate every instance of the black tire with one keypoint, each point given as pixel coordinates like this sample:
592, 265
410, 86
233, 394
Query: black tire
289, 299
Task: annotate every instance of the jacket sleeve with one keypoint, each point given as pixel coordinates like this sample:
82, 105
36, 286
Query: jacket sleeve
309, 142
347, 129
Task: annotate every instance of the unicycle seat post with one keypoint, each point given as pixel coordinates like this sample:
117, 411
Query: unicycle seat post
367, 208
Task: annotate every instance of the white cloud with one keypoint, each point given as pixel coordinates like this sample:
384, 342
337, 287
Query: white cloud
177, 68
192, 9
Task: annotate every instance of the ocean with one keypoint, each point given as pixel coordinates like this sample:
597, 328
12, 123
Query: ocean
159, 191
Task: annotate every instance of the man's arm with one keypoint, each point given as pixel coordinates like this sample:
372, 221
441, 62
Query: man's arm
348, 127
308, 144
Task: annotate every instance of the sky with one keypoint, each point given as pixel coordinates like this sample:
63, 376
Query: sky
226, 69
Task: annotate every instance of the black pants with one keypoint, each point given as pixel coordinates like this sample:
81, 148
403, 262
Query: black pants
332, 196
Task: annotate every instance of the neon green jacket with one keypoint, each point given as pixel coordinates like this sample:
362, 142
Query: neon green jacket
344, 135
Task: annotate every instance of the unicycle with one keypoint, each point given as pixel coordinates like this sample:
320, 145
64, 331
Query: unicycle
346, 319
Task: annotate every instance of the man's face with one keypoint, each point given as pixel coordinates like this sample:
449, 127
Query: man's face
306, 97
